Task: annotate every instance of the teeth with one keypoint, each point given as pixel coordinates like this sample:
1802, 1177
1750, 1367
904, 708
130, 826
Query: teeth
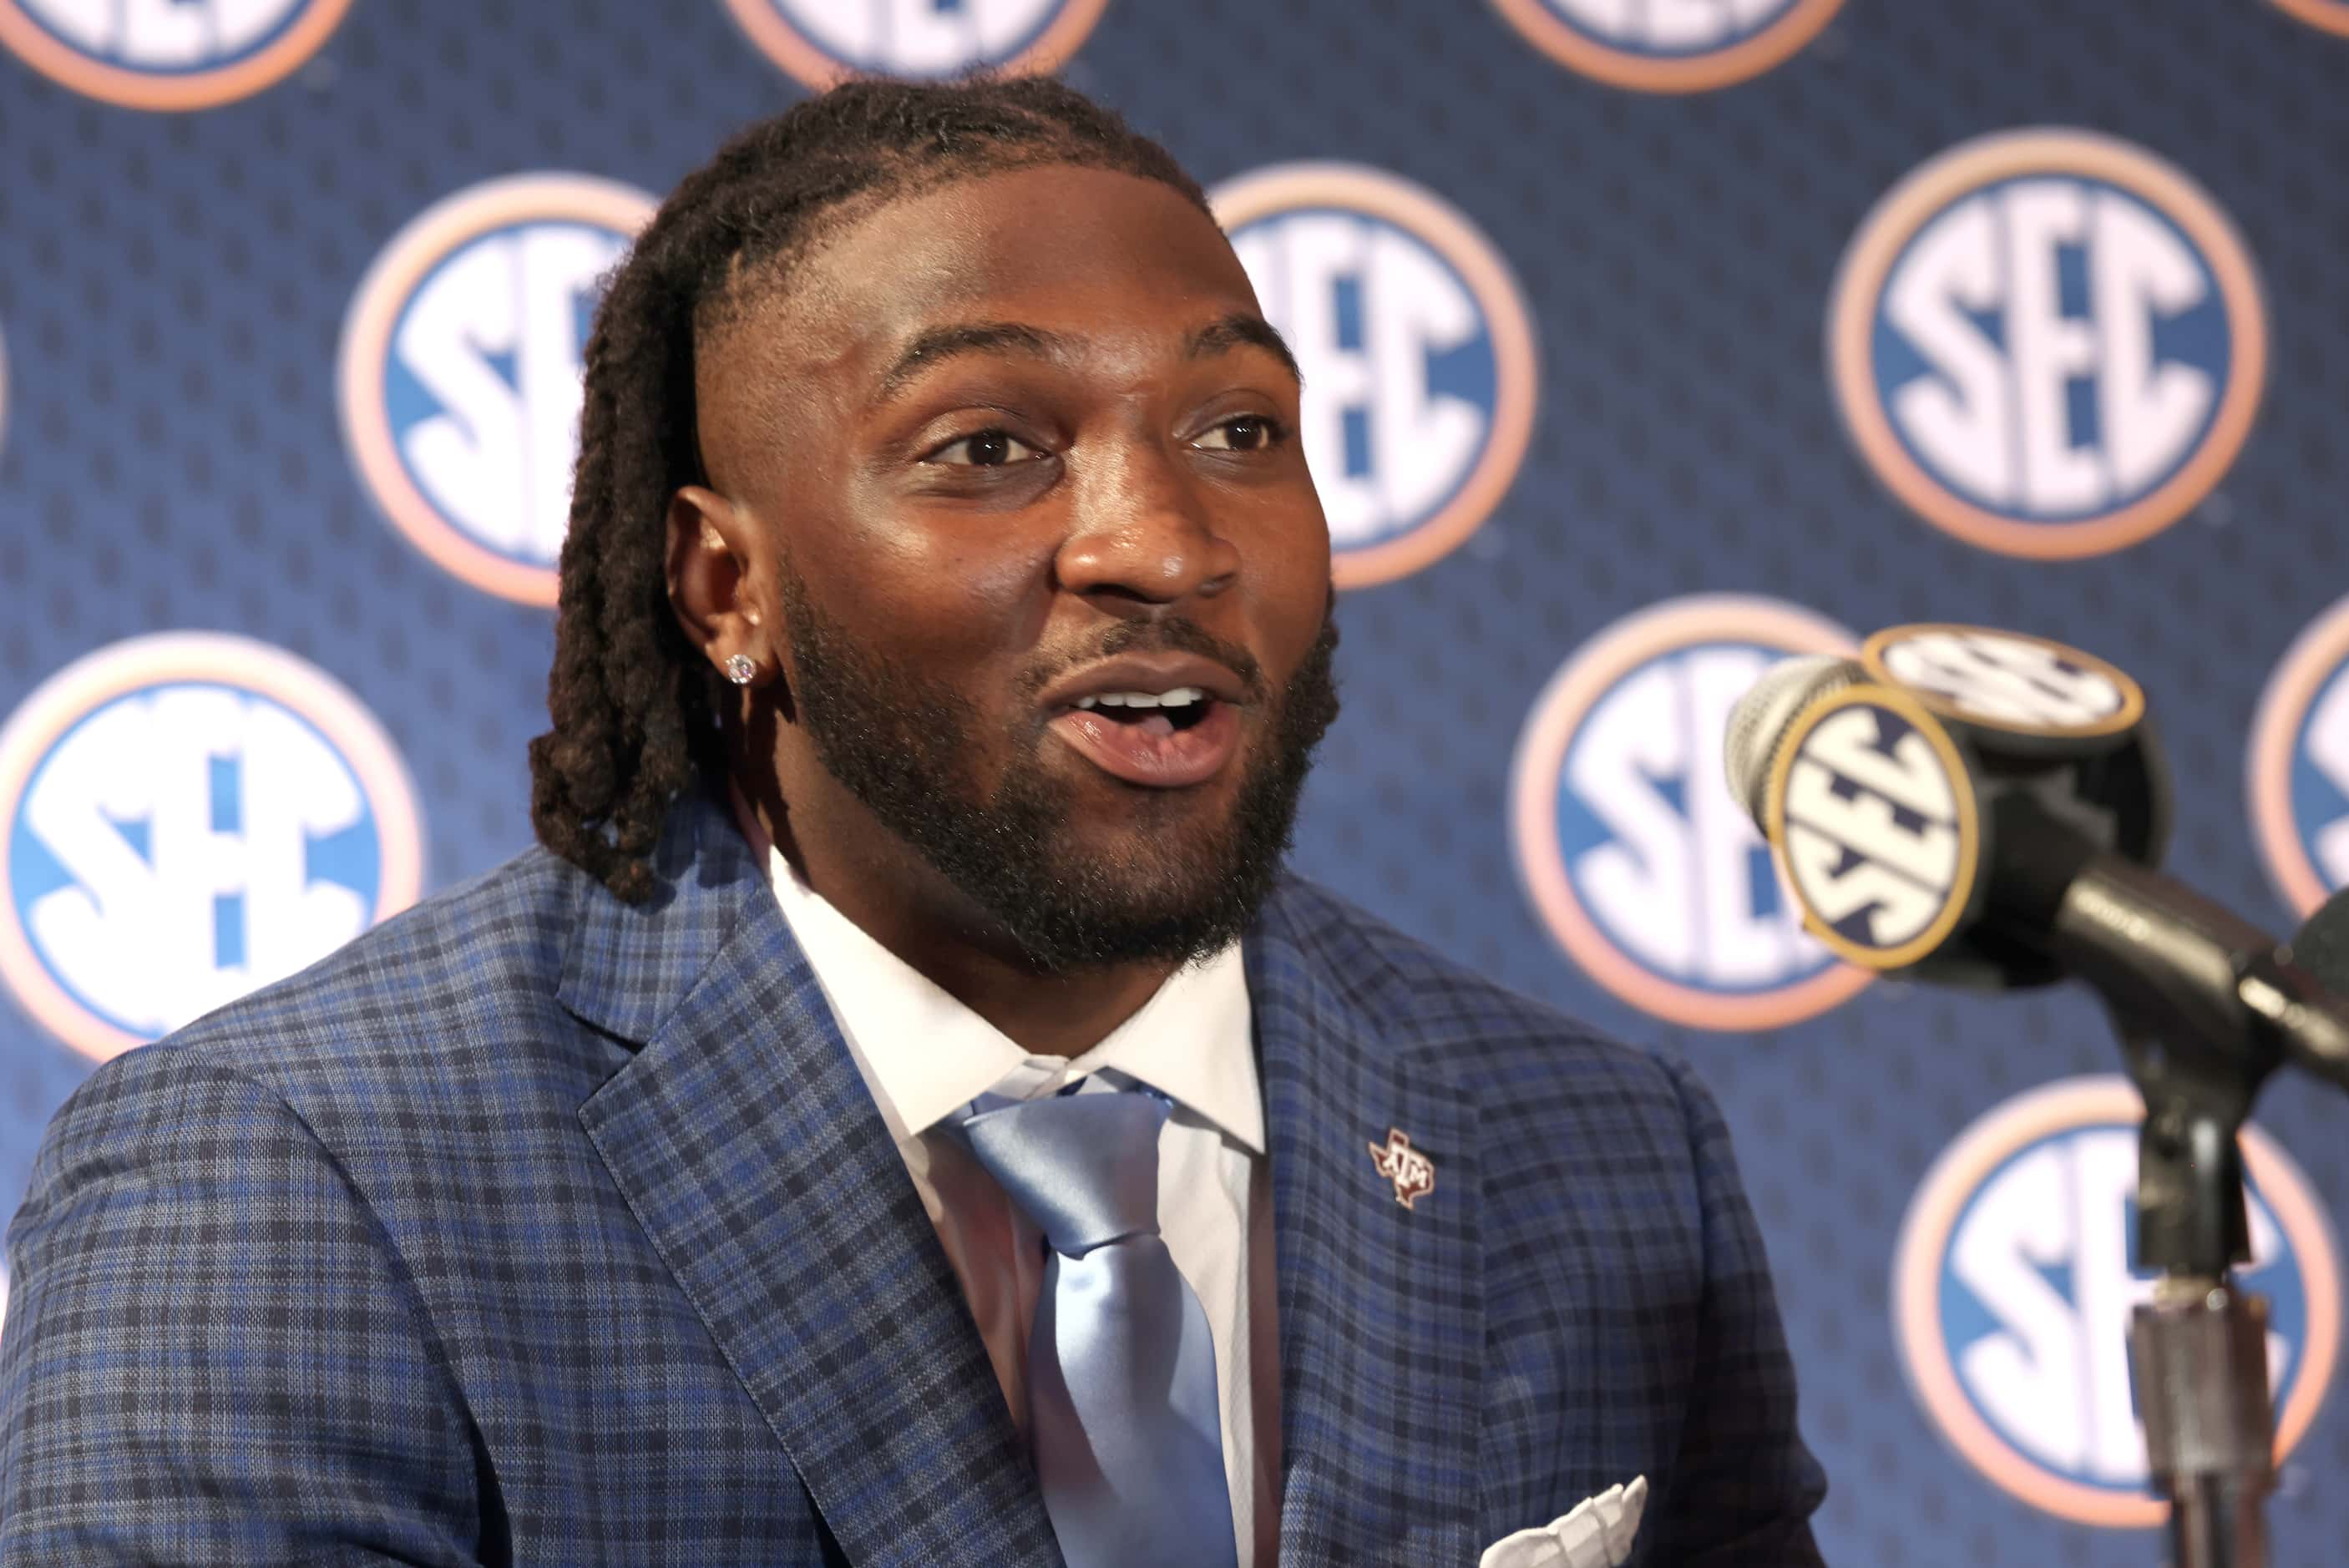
1181, 696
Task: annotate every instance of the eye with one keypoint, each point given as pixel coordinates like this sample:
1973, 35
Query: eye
986, 449
1249, 433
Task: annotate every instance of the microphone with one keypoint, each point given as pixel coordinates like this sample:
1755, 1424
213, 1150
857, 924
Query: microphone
1761, 717
1955, 839
1975, 805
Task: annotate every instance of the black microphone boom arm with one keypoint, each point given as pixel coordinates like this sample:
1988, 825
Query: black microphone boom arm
2166, 959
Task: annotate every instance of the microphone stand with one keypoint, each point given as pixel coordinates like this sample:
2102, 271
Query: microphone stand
2197, 1350
2206, 1006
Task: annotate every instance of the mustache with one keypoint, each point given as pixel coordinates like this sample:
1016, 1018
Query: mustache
1175, 634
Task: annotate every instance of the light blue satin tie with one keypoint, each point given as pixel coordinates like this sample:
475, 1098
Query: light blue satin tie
1121, 1370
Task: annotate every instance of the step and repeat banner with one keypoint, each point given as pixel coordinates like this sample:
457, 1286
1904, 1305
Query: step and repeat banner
1646, 342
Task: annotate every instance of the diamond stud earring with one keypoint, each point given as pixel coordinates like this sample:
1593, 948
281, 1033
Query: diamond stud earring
740, 667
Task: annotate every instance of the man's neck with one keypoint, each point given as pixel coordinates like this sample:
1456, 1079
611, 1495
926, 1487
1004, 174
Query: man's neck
882, 887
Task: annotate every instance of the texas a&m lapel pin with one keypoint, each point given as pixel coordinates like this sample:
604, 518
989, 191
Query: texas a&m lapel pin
1412, 1174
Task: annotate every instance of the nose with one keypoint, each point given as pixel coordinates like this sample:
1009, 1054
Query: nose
1144, 533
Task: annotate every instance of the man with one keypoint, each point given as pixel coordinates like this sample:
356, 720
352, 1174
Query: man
901, 1114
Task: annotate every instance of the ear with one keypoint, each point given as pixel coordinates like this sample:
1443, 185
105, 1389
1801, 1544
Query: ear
707, 558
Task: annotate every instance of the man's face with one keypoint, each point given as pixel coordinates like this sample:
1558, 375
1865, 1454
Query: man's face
1050, 580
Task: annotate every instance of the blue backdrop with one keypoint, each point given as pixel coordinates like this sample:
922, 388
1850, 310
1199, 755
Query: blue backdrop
1647, 340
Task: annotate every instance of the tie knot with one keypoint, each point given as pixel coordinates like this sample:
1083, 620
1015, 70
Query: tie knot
1082, 1167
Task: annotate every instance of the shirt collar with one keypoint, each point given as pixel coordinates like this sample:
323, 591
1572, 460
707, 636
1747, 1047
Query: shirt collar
924, 1055
1194, 1041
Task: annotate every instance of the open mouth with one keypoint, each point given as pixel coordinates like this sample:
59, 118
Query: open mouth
1152, 713
1160, 739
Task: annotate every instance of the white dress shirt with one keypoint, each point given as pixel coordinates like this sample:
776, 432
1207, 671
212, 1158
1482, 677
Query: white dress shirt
925, 1056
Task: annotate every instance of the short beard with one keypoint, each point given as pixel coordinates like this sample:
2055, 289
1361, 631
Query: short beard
906, 755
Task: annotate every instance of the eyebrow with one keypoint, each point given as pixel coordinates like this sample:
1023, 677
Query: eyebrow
939, 343
945, 343
1237, 329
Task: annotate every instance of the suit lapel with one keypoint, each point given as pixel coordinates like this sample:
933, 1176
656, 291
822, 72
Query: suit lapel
747, 1145
1382, 1306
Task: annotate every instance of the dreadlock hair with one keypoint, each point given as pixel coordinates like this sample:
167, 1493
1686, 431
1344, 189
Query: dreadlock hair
635, 705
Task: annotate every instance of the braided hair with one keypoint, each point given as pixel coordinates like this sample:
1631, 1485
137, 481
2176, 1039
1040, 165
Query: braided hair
635, 705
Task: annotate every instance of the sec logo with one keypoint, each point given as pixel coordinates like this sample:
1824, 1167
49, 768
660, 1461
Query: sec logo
2013, 1279
2299, 764
2022, 687
1417, 351
460, 367
180, 54
189, 816
821, 41
1669, 46
2048, 343
1643, 867
1882, 836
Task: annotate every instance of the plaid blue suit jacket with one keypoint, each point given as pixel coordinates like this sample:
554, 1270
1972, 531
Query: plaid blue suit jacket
535, 1227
